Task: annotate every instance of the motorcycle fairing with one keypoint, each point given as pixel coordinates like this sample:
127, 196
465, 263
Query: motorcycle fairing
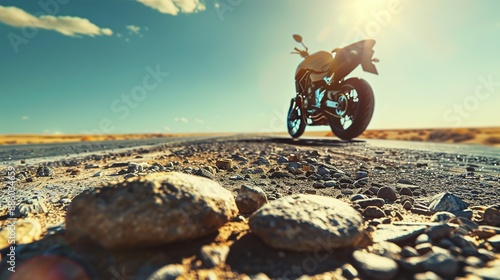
349, 57
323, 64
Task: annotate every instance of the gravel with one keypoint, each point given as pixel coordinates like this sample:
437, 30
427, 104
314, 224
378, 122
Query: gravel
433, 214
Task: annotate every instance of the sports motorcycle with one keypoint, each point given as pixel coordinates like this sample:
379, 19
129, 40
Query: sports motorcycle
325, 97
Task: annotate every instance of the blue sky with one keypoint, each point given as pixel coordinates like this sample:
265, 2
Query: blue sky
73, 66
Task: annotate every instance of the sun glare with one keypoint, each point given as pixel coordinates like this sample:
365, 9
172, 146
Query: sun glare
365, 8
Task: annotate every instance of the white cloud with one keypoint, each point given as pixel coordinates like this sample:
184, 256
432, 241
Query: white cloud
199, 121
67, 25
25, 118
173, 7
182, 120
134, 29
166, 128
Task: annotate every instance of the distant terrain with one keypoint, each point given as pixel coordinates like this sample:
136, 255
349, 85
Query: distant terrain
482, 136
21, 139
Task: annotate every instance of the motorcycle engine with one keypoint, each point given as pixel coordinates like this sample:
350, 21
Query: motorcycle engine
309, 100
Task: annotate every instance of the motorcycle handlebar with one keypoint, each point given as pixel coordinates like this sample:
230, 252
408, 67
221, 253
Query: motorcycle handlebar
300, 52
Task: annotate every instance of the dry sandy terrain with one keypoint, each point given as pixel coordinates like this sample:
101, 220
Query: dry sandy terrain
481, 136
13, 139
20, 139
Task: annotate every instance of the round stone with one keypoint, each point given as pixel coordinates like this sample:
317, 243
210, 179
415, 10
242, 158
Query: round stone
442, 264
373, 212
379, 202
440, 231
374, 266
318, 185
405, 191
307, 223
407, 205
492, 216
442, 217
361, 175
250, 199
387, 193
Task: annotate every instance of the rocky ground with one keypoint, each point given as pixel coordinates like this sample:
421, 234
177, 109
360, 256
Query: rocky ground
254, 209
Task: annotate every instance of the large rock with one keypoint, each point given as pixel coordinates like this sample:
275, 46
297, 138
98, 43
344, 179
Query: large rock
307, 223
447, 202
155, 209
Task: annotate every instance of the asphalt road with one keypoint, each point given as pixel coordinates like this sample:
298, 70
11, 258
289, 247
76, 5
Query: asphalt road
38, 152
12, 153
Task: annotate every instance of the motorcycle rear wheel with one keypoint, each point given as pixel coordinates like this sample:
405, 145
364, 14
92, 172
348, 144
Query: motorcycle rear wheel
358, 114
295, 120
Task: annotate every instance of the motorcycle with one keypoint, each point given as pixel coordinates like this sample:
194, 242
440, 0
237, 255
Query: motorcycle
325, 97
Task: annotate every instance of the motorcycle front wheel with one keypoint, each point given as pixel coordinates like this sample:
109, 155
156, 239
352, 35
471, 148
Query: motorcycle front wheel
355, 109
295, 121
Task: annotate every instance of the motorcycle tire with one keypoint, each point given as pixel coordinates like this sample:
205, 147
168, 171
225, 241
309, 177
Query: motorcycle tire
295, 120
362, 111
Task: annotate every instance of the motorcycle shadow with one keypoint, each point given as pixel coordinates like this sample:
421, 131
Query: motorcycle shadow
313, 142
